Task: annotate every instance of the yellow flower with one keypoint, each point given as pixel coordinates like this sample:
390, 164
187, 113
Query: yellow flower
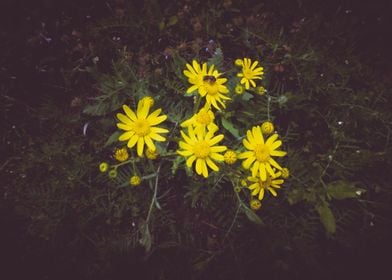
255, 204
141, 127
200, 147
259, 186
230, 157
267, 128
285, 172
121, 154
238, 62
103, 167
150, 154
239, 89
202, 120
250, 72
260, 153
207, 82
135, 180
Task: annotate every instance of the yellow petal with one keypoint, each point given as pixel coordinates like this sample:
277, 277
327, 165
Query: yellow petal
217, 157
140, 146
261, 194
190, 161
204, 169
263, 173
184, 153
149, 143
132, 141
129, 113
125, 136
278, 153
123, 126
246, 164
157, 137
142, 110
199, 166
123, 118
156, 120
218, 149
274, 163
212, 165
271, 139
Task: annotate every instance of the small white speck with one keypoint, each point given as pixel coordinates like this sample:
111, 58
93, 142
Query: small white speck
85, 128
88, 16
371, 224
348, 11
346, 62
322, 75
340, 122
358, 151
133, 224
13, 127
330, 157
358, 192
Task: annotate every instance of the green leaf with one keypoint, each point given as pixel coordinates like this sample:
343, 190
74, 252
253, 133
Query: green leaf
343, 189
113, 138
246, 96
327, 218
252, 216
229, 126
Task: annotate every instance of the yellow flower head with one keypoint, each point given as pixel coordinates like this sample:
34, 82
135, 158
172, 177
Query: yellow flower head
285, 172
230, 157
267, 128
103, 167
140, 127
208, 83
244, 183
237, 189
259, 186
202, 120
200, 148
135, 180
239, 89
121, 154
151, 154
250, 72
260, 153
255, 204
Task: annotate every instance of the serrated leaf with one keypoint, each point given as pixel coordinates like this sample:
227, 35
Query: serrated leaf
229, 126
327, 218
113, 138
343, 189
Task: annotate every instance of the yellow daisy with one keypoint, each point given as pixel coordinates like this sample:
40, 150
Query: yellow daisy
200, 147
202, 120
140, 127
208, 83
260, 153
250, 72
259, 186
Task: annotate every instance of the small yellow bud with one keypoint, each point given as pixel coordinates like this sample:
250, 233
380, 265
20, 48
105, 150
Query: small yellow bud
121, 154
239, 89
255, 204
285, 173
239, 62
230, 157
151, 154
243, 183
135, 180
261, 90
103, 167
267, 128
148, 100
237, 189
112, 173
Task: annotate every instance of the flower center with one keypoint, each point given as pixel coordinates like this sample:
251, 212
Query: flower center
201, 149
211, 88
142, 128
266, 184
248, 73
203, 118
262, 153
